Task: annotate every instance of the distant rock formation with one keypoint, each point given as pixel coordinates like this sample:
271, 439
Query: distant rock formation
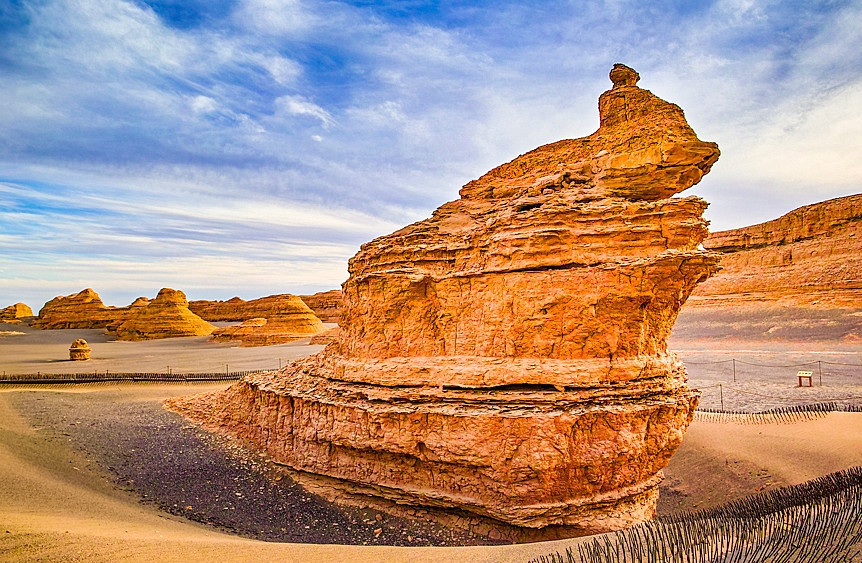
796, 278
232, 310
507, 357
15, 312
166, 316
325, 304
79, 350
80, 310
289, 319
810, 256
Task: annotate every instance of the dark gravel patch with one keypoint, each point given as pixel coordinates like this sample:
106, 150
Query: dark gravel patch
171, 464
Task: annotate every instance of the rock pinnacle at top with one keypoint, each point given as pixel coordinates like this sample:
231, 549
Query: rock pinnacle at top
622, 75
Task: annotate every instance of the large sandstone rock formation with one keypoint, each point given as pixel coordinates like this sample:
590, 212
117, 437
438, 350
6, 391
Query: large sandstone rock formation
507, 357
15, 312
325, 304
81, 310
798, 277
166, 316
810, 256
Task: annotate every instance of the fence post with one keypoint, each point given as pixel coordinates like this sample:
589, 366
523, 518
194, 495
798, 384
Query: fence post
734, 369
820, 371
721, 394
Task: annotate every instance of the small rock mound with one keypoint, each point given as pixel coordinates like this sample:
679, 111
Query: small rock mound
79, 350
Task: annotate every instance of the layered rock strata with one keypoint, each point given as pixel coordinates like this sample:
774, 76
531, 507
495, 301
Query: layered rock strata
810, 256
796, 278
80, 310
166, 316
15, 312
79, 350
289, 319
507, 356
325, 304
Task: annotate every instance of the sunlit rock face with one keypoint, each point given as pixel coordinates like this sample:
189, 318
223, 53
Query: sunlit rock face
79, 350
80, 310
290, 320
166, 316
15, 312
811, 256
507, 356
325, 304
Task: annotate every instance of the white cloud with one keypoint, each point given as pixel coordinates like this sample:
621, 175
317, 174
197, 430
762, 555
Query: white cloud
274, 17
204, 104
299, 105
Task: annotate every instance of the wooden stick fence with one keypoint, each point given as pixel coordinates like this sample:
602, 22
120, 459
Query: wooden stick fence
105, 377
817, 521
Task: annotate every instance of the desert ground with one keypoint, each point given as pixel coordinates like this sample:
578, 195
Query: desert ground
102, 472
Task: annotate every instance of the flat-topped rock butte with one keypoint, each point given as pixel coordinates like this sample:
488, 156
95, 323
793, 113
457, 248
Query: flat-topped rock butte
506, 358
811, 256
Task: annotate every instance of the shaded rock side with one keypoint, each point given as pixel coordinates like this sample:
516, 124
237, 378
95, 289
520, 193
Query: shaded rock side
810, 257
15, 312
507, 356
293, 321
80, 310
325, 304
166, 316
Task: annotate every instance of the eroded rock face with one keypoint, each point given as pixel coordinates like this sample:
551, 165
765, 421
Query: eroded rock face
288, 319
80, 310
810, 256
507, 356
796, 278
79, 350
166, 316
325, 304
15, 312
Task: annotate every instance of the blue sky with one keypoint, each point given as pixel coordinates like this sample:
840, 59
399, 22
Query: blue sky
249, 147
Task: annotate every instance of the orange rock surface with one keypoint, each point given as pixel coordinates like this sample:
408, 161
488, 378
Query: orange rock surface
796, 278
166, 316
79, 350
325, 304
237, 309
81, 310
811, 256
507, 357
326, 337
14, 312
289, 323
269, 320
